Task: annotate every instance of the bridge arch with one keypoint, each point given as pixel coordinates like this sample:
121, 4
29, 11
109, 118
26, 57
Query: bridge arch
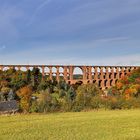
114, 69
120, 75
6, 68
104, 69
100, 83
16, 68
61, 70
105, 83
79, 82
77, 73
40, 69
109, 69
54, 70
111, 82
46, 71
29, 68
23, 69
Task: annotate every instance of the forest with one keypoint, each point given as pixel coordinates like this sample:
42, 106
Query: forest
33, 94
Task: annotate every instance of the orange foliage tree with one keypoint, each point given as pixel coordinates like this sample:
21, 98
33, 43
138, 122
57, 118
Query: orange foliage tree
129, 85
25, 94
119, 85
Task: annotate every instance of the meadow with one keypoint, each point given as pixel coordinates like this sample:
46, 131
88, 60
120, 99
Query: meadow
93, 125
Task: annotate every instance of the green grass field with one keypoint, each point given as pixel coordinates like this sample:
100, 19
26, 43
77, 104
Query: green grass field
95, 125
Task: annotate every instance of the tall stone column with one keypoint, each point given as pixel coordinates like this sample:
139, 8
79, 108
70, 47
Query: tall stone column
57, 74
50, 69
65, 73
18, 68
112, 71
118, 73
90, 73
84, 73
122, 70
113, 77
96, 73
102, 73
107, 77
71, 72
107, 73
1, 68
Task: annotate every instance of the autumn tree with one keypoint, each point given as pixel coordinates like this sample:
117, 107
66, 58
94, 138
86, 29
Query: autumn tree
25, 94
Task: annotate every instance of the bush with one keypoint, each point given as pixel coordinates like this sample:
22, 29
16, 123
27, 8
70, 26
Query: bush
77, 108
83, 99
34, 107
4, 92
115, 103
134, 102
96, 102
48, 102
44, 102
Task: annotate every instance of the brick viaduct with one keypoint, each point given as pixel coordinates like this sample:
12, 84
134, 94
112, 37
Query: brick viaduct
103, 76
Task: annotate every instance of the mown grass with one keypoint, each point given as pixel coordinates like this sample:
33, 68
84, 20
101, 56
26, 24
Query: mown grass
95, 125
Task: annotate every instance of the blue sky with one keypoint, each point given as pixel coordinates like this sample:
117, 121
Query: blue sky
91, 32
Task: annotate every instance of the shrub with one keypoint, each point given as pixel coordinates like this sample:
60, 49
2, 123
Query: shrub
4, 93
48, 102
44, 102
77, 107
115, 103
135, 102
96, 102
34, 107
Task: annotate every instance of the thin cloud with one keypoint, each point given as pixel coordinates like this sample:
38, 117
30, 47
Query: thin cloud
112, 39
40, 7
43, 4
2, 47
8, 30
131, 60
